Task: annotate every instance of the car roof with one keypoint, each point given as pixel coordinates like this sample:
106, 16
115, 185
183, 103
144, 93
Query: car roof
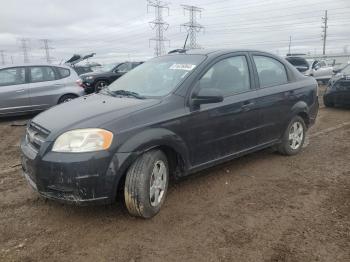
32, 64
216, 51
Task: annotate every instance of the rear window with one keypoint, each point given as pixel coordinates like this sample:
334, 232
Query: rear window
270, 71
297, 61
64, 72
41, 74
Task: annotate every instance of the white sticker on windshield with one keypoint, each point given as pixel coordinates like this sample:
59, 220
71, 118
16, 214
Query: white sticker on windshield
187, 67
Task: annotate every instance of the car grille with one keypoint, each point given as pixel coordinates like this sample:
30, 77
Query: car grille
35, 136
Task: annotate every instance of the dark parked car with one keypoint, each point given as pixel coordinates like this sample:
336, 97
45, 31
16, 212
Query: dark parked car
95, 81
338, 89
171, 116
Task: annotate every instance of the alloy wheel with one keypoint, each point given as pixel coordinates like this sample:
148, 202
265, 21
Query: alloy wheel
158, 183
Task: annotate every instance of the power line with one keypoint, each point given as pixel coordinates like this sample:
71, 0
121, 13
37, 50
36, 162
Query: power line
159, 25
192, 26
25, 49
324, 27
47, 50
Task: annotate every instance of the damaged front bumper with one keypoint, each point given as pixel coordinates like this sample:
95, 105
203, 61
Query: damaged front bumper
84, 178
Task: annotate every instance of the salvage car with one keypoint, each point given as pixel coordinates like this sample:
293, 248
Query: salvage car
95, 81
320, 70
338, 89
30, 88
169, 117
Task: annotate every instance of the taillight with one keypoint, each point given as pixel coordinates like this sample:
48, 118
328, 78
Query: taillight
80, 83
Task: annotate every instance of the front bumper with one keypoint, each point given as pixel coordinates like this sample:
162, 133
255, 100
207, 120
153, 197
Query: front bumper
86, 178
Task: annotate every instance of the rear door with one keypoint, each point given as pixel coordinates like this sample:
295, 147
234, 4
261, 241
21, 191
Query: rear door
276, 96
43, 85
14, 93
218, 130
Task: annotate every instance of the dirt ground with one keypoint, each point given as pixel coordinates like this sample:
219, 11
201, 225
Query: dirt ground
261, 207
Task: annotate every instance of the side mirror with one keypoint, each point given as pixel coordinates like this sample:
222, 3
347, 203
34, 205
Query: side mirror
207, 96
316, 67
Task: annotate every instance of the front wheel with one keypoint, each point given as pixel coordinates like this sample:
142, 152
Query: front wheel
146, 184
294, 137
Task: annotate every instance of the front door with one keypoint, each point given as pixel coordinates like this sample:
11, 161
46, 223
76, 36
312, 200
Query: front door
229, 127
14, 94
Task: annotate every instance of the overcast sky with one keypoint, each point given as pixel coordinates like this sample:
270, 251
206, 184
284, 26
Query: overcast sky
119, 30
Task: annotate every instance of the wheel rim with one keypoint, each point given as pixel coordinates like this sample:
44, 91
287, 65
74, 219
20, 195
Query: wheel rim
101, 85
158, 183
296, 135
67, 100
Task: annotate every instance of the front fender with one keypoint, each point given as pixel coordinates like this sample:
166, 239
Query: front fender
154, 137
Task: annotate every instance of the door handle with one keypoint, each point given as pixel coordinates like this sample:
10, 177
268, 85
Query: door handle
20, 91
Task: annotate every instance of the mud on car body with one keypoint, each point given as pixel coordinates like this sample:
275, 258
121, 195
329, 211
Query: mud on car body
171, 116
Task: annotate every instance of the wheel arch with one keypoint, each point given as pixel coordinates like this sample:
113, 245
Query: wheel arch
301, 109
165, 140
65, 94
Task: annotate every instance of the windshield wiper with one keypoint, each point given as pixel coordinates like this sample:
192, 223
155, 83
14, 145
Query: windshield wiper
125, 93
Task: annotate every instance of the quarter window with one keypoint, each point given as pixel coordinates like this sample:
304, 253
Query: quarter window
64, 72
41, 74
12, 76
270, 71
230, 75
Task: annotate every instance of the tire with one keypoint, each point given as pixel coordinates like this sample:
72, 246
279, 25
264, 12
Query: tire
327, 103
140, 199
66, 98
99, 85
292, 146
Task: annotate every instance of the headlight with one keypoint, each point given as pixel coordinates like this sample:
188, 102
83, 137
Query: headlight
83, 140
89, 77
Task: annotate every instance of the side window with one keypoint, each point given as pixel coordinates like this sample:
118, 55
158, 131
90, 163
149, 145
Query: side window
41, 74
230, 75
64, 72
12, 76
270, 71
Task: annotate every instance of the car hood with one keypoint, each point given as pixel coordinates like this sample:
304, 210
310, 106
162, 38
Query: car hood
89, 111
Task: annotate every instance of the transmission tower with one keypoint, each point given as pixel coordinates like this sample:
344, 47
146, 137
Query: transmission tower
159, 25
25, 49
47, 50
192, 26
2, 53
324, 31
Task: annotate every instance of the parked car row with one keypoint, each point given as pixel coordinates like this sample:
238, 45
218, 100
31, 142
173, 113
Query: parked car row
320, 70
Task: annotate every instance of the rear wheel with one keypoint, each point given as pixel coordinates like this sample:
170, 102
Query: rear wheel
66, 98
146, 184
294, 137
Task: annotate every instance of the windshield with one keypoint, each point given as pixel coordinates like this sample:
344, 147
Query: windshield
159, 76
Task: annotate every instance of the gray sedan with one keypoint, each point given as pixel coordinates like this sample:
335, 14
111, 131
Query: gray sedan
29, 88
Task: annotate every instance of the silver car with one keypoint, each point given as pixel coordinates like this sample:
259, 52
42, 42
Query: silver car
28, 88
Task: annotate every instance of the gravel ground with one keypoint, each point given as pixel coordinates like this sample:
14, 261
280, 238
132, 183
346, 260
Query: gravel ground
261, 207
